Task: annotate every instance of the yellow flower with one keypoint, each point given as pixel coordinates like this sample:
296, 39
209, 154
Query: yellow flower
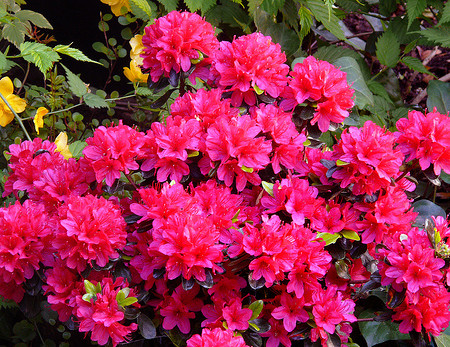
134, 73
39, 118
18, 104
136, 49
118, 7
62, 146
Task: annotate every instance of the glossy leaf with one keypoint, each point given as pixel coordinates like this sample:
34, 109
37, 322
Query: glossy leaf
438, 96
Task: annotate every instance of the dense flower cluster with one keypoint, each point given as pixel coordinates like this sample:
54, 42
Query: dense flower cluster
225, 223
322, 83
174, 41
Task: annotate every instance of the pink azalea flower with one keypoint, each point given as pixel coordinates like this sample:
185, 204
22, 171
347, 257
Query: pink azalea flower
236, 317
216, 337
291, 311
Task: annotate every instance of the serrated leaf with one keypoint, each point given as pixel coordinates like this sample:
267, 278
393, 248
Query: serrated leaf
253, 5
94, 101
363, 96
76, 148
388, 49
329, 20
415, 64
36, 18
169, 5
3, 62
440, 35
445, 18
141, 9
74, 53
76, 85
14, 32
39, 54
143, 91
438, 96
414, 9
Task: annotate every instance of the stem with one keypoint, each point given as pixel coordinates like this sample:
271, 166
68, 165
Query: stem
39, 333
408, 169
379, 73
365, 319
25, 78
131, 181
16, 116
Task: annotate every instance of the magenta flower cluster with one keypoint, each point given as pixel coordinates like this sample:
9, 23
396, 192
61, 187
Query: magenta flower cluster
222, 222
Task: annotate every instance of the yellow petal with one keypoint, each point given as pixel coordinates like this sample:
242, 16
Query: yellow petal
18, 104
6, 116
134, 73
136, 49
39, 118
6, 86
61, 145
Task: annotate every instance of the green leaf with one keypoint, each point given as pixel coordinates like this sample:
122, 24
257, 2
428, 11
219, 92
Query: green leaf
443, 340
350, 234
363, 96
329, 20
25, 330
39, 54
143, 91
439, 35
414, 9
14, 32
73, 53
329, 238
438, 96
268, 187
229, 13
169, 5
76, 148
256, 307
386, 7
76, 85
141, 9
95, 101
426, 209
279, 32
272, 6
388, 49
378, 89
146, 327
128, 301
3, 62
333, 53
445, 177
305, 20
445, 18
253, 5
7, 304
34, 17
378, 332
415, 64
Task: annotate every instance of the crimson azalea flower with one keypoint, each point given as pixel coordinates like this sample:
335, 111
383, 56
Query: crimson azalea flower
250, 64
216, 337
174, 41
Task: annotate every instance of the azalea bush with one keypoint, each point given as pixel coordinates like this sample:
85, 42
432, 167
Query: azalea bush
252, 211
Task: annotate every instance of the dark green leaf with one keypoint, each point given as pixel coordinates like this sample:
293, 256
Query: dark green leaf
170, 5
445, 18
328, 19
426, 209
76, 85
332, 53
414, 9
24, 330
229, 13
279, 32
378, 332
445, 177
39, 54
34, 17
440, 35
379, 89
272, 6
443, 340
415, 64
387, 7
438, 96
388, 49
363, 96
146, 327
252, 338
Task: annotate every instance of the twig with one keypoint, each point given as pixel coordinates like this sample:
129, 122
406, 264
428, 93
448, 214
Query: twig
424, 93
16, 116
